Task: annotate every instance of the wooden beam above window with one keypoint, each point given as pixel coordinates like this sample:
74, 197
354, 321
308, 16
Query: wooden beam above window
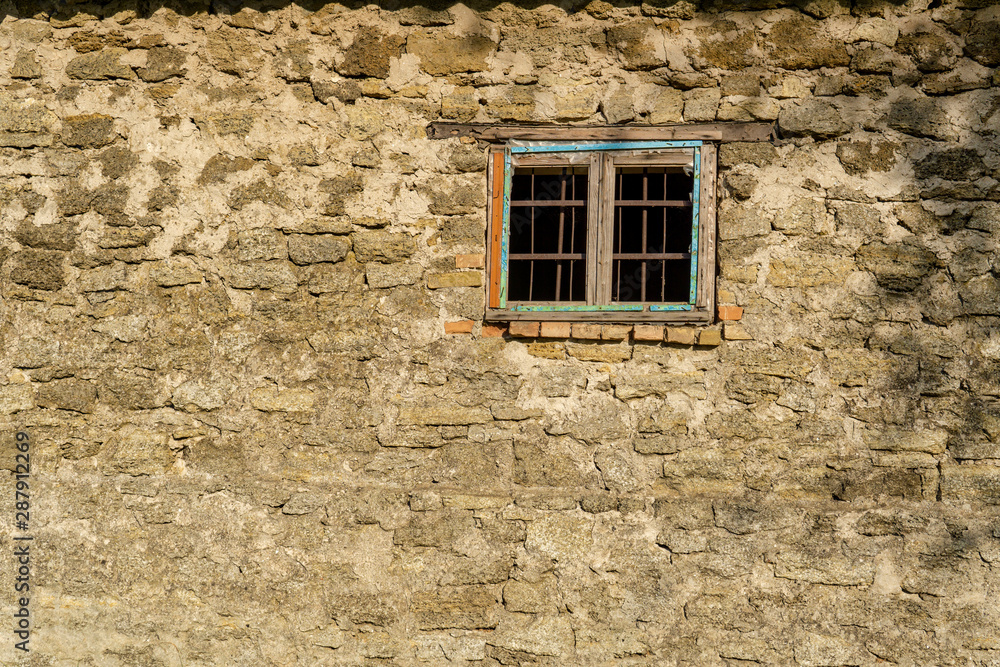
689, 132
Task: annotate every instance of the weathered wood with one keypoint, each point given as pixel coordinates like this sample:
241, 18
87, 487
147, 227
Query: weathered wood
707, 232
593, 223
672, 157
547, 160
495, 236
687, 316
606, 233
703, 131
561, 203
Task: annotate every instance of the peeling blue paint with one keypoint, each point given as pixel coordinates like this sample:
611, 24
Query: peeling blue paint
614, 146
579, 308
695, 201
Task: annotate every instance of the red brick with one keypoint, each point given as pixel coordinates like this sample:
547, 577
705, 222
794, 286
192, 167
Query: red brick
524, 329
648, 332
470, 261
587, 331
460, 327
731, 313
555, 330
493, 330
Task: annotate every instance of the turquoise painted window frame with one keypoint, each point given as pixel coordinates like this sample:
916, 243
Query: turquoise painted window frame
601, 147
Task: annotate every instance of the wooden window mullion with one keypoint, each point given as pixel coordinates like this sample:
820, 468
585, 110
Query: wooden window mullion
594, 267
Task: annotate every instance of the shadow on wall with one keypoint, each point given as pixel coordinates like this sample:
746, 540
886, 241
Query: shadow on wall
64, 11
928, 310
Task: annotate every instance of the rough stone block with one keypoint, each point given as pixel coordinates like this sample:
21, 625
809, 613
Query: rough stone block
899, 266
734, 331
457, 279
547, 350
668, 108
162, 63
317, 248
462, 104
981, 44
701, 105
103, 278
59, 236
531, 597
443, 414
25, 66
908, 440
710, 337
443, 53
681, 335
196, 395
91, 130
39, 269
231, 52
370, 53
813, 118
809, 271
803, 43
16, 397
635, 384
100, 65
539, 635
434, 529
273, 399
262, 275
737, 221
134, 451
385, 247
467, 608
175, 271
612, 353
382, 276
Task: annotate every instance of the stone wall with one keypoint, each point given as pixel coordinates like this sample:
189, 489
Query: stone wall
231, 255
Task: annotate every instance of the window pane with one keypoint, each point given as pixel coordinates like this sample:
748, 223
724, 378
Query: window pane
548, 234
651, 235
663, 280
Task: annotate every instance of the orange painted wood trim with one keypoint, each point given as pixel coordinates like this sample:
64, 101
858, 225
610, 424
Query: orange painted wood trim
496, 226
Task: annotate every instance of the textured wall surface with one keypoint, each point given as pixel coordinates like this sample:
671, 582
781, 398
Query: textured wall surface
254, 443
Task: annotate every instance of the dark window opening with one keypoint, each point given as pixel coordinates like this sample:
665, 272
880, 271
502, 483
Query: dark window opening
651, 246
548, 234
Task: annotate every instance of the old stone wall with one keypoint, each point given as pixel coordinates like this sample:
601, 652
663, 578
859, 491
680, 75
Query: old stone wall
241, 313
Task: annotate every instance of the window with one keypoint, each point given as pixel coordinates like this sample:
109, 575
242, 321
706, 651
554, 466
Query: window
602, 231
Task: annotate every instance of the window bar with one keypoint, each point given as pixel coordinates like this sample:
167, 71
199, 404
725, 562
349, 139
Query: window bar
663, 248
645, 246
572, 235
531, 265
621, 233
562, 223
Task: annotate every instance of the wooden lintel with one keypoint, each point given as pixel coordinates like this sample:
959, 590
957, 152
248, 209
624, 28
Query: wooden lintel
692, 132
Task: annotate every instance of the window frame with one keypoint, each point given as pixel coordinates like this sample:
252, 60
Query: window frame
602, 157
